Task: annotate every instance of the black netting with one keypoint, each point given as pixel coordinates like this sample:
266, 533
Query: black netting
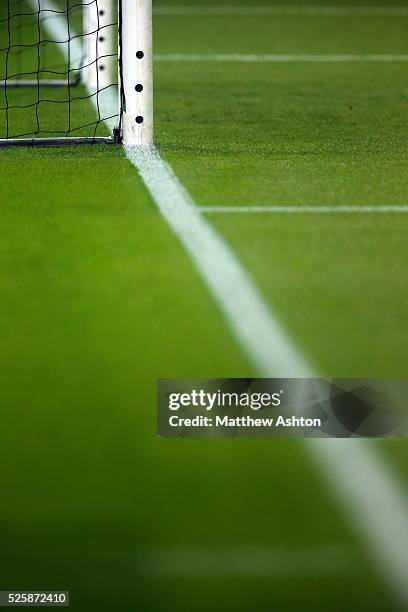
52, 84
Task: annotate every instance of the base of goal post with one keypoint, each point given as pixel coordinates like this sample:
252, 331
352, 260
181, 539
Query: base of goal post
58, 142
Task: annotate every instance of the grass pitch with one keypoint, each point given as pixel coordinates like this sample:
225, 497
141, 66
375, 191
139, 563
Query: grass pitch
99, 299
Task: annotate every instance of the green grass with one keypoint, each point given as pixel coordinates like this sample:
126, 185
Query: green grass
98, 300
356, 291
286, 134
336, 3
304, 134
96, 305
306, 34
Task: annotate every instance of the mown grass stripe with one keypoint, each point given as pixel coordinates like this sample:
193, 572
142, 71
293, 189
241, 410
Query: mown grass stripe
302, 209
295, 11
282, 57
248, 561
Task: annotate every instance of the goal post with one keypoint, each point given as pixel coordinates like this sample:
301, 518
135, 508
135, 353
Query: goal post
76, 72
136, 71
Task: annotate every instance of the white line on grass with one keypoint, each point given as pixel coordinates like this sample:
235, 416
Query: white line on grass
244, 561
281, 57
319, 11
245, 310
384, 526
367, 489
302, 209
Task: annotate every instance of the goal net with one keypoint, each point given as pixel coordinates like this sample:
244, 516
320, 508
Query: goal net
75, 72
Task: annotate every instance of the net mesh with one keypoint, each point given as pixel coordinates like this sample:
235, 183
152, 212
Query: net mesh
56, 70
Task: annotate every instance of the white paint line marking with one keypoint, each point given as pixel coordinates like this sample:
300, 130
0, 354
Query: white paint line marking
369, 492
281, 58
248, 562
367, 489
276, 11
302, 209
245, 311
383, 526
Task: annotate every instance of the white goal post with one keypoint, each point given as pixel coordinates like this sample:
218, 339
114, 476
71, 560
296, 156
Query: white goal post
135, 62
114, 47
136, 71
